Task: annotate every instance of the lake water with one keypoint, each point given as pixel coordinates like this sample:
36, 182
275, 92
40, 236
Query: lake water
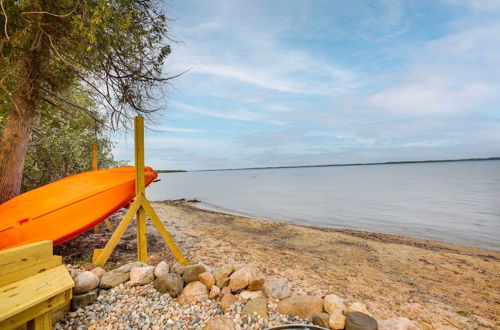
456, 202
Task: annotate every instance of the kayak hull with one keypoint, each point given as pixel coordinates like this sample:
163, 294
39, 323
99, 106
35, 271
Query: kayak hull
68, 207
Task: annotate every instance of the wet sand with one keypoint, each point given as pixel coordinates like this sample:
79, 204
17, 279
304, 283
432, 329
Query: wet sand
428, 282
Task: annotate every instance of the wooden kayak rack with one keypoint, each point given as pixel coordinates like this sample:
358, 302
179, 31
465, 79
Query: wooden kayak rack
140, 207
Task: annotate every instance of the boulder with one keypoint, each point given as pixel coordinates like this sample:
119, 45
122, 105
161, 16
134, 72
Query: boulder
256, 305
301, 306
193, 292
397, 323
256, 284
161, 268
219, 323
276, 288
80, 300
85, 282
170, 283
222, 273
214, 292
334, 304
227, 300
141, 275
98, 271
360, 321
191, 273
336, 320
178, 268
245, 295
241, 278
118, 276
356, 307
207, 279
225, 290
321, 319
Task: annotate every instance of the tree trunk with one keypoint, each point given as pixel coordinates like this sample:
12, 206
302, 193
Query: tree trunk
13, 146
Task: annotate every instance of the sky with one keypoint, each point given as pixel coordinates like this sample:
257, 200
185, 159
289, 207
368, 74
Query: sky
302, 82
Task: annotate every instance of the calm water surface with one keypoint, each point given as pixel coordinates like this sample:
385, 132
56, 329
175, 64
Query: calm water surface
452, 202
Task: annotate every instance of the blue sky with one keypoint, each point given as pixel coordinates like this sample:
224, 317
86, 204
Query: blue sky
299, 82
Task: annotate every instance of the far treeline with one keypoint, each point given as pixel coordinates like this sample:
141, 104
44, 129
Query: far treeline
71, 71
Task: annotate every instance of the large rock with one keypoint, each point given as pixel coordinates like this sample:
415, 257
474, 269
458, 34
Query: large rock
118, 276
321, 319
397, 323
227, 300
85, 282
256, 284
170, 283
356, 307
301, 306
256, 305
222, 273
191, 273
161, 268
276, 288
214, 292
336, 321
207, 279
98, 271
80, 300
141, 275
219, 323
334, 304
178, 268
245, 295
360, 321
241, 278
193, 292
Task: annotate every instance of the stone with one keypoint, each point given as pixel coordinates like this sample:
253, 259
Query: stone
214, 292
227, 300
207, 279
193, 292
161, 268
245, 295
334, 304
360, 321
301, 306
98, 271
276, 288
241, 278
84, 299
170, 283
356, 307
219, 323
256, 305
336, 320
118, 276
225, 291
58, 314
256, 284
73, 273
178, 268
191, 273
222, 273
85, 282
321, 319
142, 275
397, 323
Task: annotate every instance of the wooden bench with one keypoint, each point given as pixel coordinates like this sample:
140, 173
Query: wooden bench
33, 283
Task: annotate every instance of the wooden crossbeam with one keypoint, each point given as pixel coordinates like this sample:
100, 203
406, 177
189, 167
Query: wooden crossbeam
139, 208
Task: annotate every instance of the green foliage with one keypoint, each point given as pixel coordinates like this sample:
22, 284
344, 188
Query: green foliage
61, 145
463, 313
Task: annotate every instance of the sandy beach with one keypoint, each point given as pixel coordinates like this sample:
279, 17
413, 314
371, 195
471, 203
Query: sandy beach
435, 284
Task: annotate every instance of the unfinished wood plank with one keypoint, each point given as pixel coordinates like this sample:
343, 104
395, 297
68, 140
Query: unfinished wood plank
29, 292
25, 255
23, 270
42, 322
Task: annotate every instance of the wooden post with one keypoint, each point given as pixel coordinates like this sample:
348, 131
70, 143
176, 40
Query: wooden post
140, 207
142, 243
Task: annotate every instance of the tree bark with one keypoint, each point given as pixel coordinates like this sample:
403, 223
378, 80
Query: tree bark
13, 146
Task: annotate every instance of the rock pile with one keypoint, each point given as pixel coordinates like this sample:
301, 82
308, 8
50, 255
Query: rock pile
137, 295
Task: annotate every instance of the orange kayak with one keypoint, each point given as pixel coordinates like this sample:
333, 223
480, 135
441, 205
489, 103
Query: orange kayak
68, 207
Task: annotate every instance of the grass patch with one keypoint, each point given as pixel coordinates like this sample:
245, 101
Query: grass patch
463, 313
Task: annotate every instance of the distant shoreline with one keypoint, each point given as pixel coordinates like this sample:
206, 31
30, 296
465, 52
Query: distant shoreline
347, 164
